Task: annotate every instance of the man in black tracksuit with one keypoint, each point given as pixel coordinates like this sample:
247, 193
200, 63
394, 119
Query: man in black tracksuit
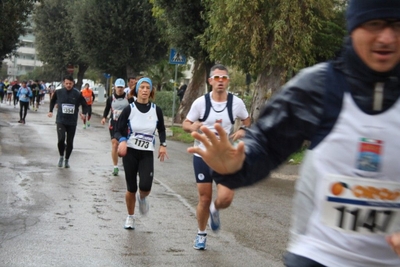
68, 100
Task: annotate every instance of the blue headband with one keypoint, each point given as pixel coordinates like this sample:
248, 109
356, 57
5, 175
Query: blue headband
145, 79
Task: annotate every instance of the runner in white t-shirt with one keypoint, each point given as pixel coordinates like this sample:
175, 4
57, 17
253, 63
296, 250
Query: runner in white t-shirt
224, 109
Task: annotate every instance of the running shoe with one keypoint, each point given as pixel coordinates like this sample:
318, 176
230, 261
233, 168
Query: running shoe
66, 164
213, 220
130, 222
115, 172
60, 162
200, 242
20, 121
84, 126
88, 124
143, 205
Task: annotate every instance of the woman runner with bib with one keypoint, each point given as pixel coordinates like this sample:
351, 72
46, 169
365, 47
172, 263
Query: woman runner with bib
136, 134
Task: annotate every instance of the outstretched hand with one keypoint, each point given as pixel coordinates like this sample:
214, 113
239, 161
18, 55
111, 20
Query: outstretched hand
220, 155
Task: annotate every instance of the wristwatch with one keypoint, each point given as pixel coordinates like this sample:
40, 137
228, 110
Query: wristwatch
163, 144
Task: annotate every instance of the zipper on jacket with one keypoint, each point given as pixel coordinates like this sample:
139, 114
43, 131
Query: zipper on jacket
378, 96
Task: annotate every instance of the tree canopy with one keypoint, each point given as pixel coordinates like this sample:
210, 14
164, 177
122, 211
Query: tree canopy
271, 38
115, 37
55, 42
118, 37
183, 25
253, 34
14, 20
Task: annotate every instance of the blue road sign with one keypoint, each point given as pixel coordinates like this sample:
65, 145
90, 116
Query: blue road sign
176, 57
107, 75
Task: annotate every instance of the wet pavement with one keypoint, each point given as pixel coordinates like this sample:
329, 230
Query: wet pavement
52, 216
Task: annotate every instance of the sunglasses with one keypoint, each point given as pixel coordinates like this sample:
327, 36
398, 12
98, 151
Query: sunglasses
218, 77
376, 26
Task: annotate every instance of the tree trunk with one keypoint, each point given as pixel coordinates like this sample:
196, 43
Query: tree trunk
268, 83
196, 88
82, 68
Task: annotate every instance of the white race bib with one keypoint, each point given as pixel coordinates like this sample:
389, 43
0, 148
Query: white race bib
361, 205
68, 108
142, 141
116, 114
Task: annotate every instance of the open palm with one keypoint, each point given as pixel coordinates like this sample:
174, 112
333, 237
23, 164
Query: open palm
220, 155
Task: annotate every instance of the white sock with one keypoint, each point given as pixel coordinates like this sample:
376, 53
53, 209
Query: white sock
201, 232
212, 207
115, 166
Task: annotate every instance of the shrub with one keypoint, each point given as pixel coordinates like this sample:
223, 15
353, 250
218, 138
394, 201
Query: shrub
164, 99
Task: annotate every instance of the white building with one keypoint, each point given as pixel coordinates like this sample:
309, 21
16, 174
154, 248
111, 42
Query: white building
26, 58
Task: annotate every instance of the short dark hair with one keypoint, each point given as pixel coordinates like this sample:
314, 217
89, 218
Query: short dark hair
131, 78
217, 67
69, 78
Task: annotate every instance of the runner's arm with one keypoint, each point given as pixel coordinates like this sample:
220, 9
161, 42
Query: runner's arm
107, 108
121, 127
84, 104
160, 125
53, 101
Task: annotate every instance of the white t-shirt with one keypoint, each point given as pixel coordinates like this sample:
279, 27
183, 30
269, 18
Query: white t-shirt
218, 113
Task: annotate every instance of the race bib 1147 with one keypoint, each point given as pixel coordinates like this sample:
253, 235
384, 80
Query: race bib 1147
360, 205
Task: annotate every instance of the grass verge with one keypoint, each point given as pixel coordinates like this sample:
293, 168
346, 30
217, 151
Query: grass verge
180, 135
297, 157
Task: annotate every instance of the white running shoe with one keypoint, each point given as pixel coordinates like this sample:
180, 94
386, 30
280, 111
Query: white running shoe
130, 222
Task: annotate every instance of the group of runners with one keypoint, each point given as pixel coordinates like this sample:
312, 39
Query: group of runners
29, 94
345, 208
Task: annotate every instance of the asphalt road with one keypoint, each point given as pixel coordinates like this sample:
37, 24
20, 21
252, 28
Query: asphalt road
52, 216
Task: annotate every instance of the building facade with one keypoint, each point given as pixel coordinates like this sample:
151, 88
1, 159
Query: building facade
25, 59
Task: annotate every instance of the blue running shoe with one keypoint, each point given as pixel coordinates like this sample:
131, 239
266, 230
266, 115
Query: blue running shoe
200, 242
213, 220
